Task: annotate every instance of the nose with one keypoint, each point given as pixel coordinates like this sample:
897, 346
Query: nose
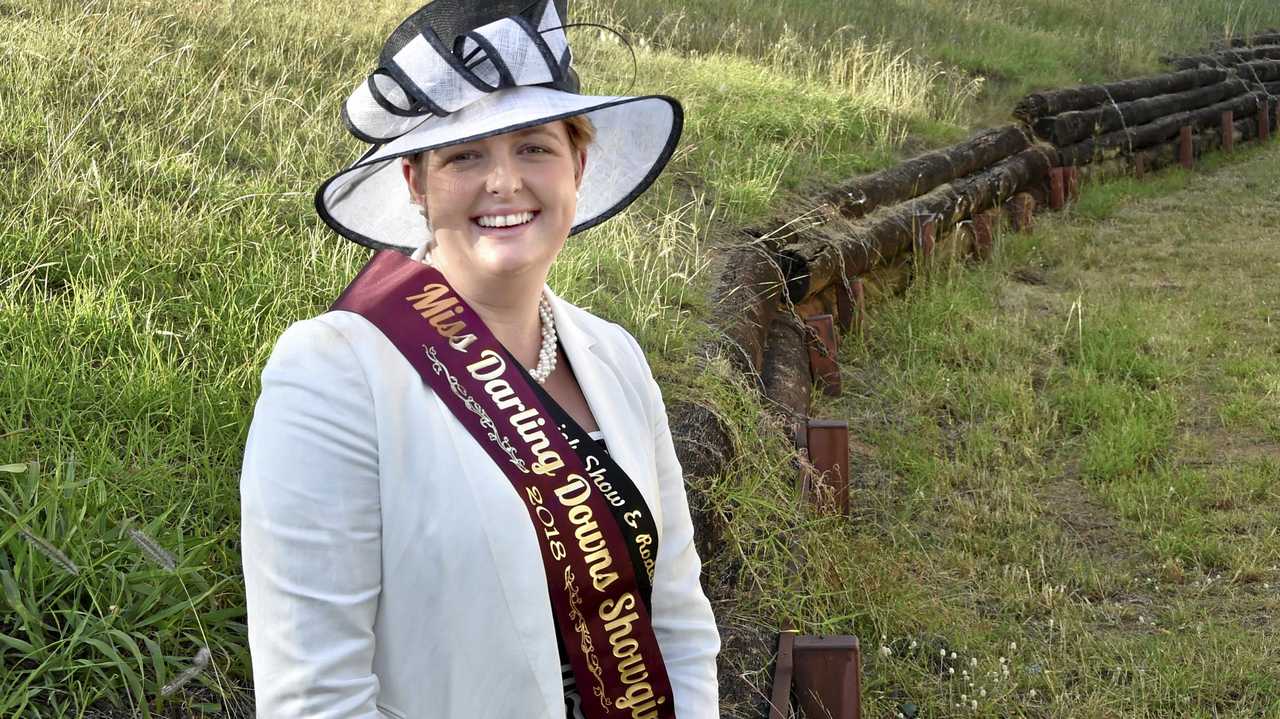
504, 177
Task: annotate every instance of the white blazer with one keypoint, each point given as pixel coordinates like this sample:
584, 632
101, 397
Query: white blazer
390, 568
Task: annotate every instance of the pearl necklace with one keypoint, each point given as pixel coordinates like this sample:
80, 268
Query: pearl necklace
546, 353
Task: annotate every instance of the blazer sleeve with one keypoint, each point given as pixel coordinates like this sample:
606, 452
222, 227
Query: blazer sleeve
311, 530
682, 619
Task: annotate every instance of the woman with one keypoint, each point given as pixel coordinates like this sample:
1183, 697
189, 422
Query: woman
418, 541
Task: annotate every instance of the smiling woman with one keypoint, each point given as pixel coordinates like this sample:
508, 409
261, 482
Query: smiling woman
503, 204
432, 522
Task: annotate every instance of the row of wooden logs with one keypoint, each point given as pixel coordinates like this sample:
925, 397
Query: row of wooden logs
1229, 57
790, 291
821, 676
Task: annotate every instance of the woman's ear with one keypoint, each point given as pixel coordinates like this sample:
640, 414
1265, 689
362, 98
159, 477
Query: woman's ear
580, 168
412, 171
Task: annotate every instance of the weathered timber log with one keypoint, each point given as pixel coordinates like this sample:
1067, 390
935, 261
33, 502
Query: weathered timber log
788, 382
818, 259
887, 280
1259, 71
1154, 133
1044, 104
743, 302
1226, 58
1076, 125
919, 175
1266, 37
1166, 155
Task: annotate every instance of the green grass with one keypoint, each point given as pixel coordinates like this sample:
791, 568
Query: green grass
156, 236
1071, 450
1013, 47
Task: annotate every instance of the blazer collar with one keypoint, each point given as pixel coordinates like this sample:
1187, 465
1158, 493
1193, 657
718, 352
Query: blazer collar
567, 327
601, 381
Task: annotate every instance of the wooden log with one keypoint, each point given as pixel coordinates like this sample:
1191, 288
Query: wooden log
919, 175
1154, 133
1268, 37
1165, 155
811, 263
887, 280
1044, 104
743, 303
1261, 71
1226, 58
1071, 127
788, 382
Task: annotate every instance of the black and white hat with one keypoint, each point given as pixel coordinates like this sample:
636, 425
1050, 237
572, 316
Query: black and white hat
462, 70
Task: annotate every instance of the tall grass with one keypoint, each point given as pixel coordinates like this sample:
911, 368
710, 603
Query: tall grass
156, 236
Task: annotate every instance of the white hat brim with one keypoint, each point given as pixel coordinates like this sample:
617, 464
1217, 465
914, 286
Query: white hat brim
369, 203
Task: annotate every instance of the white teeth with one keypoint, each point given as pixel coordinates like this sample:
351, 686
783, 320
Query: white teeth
504, 220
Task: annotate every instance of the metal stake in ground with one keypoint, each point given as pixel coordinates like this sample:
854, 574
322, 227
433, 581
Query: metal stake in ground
1228, 131
1186, 151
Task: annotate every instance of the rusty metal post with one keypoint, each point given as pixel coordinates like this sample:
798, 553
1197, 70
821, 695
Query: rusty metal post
925, 235
828, 443
859, 293
984, 233
1228, 131
828, 676
1057, 189
822, 354
1186, 151
1140, 165
783, 673
844, 305
1021, 208
1071, 178
1264, 121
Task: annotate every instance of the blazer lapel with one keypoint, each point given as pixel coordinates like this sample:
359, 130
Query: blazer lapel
606, 390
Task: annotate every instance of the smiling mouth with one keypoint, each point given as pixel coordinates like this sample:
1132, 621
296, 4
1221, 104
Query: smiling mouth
505, 222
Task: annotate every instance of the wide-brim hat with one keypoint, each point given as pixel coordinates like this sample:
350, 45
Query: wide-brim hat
458, 71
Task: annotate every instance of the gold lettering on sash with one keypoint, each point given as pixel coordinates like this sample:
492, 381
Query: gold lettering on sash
638, 695
572, 495
490, 366
436, 305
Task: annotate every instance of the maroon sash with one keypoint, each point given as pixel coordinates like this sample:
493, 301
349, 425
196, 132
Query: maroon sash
598, 598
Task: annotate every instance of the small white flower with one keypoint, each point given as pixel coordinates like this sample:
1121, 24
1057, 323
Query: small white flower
885, 651
973, 661
964, 697
913, 644
951, 670
982, 692
973, 704
953, 656
1013, 646
1032, 693
1004, 660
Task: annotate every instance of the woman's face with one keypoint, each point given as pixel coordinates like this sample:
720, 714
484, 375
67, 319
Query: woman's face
500, 206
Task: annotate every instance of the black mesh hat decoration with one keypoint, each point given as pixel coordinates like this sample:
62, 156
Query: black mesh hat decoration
462, 70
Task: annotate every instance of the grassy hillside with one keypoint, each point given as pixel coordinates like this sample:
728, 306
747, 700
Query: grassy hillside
1011, 47
156, 236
